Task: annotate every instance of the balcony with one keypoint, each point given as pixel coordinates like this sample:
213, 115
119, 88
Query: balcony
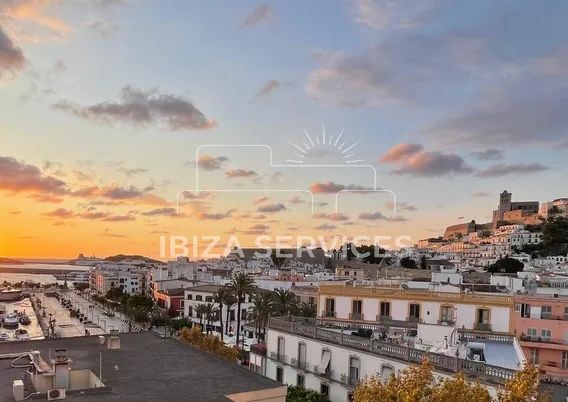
356, 316
449, 323
416, 320
326, 374
384, 318
301, 364
259, 349
329, 314
349, 380
483, 326
278, 356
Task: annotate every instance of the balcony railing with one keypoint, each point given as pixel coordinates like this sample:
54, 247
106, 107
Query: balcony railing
329, 314
483, 326
327, 373
542, 339
309, 328
414, 319
349, 380
278, 356
259, 349
446, 322
384, 318
356, 316
298, 363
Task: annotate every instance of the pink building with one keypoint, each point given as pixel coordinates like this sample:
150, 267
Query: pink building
541, 324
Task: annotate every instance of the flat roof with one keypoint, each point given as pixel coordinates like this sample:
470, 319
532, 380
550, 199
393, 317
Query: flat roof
146, 367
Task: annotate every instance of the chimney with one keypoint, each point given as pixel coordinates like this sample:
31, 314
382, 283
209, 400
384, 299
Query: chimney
60, 364
113, 340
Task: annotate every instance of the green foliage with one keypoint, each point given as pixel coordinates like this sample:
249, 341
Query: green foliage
407, 262
297, 394
80, 286
506, 265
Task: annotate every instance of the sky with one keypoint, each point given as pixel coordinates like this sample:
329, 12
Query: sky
122, 121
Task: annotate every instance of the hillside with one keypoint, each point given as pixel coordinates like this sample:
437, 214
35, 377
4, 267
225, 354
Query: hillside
9, 261
122, 257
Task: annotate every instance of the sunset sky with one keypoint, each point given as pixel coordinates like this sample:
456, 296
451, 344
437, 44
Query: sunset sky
104, 104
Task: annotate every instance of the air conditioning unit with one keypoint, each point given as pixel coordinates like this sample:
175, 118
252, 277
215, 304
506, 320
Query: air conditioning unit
55, 394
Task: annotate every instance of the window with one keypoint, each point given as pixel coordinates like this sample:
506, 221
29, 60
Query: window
198, 298
356, 309
330, 307
525, 310
324, 389
531, 333
323, 366
545, 334
209, 299
517, 307
300, 381
354, 368
564, 363
546, 312
279, 374
414, 312
534, 356
566, 313
190, 297
385, 310
281, 348
311, 300
447, 314
483, 316
301, 355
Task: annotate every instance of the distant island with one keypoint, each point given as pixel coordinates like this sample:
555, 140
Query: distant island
9, 261
123, 257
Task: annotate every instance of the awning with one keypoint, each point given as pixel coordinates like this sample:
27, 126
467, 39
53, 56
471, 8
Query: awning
386, 372
325, 357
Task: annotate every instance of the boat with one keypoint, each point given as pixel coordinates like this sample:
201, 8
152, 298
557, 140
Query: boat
3, 311
11, 295
11, 321
4, 337
21, 335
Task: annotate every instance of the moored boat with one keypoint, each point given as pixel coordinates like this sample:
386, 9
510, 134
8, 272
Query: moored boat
11, 295
11, 321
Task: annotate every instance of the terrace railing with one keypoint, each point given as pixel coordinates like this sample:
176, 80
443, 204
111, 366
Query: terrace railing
309, 328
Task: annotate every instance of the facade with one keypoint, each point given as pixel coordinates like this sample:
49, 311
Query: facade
541, 324
479, 311
331, 357
506, 204
171, 300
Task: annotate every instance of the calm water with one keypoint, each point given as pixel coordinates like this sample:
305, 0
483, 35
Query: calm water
62, 267
40, 278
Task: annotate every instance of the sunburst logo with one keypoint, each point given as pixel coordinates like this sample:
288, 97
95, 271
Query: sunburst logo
315, 145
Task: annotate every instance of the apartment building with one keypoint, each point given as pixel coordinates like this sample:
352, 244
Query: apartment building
480, 311
541, 324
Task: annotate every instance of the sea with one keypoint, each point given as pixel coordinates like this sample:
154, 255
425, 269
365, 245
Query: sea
36, 277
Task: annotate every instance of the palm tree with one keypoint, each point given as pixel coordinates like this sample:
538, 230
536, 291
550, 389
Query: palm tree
220, 297
261, 309
284, 302
241, 285
230, 301
200, 311
209, 311
307, 310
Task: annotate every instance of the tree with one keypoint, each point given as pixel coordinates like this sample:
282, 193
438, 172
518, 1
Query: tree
200, 311
506, 265
423, 262
284, 302
219, 297
307, 310
278, 261
81, 286
241, 285
209, 311
555, 236
230, 301
416, 383
261, 310
297, 394
407, 262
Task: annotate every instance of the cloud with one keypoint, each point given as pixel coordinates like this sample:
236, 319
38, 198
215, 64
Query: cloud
132, 172
33, 11
210, 163
142, 108
165, 211
400, 69
411, 159
326, 227
18, 177
103, 27
270, 208
11, 57
489, 155
401, 206
260, 200
61, 213
116, 192
330, 187
382, 14
502, 169
336, 217
529, 112
237, 173
260, 14
258, 229
372, 216
267, 88
481, 194
206, 216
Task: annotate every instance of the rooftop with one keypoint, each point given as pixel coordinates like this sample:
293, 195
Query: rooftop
146, 367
